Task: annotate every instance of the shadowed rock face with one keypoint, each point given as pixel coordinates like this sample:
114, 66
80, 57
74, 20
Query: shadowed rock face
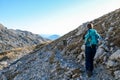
55, 61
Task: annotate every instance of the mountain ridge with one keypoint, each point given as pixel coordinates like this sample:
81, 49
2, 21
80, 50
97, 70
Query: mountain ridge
16, 43
17, 38
59, 61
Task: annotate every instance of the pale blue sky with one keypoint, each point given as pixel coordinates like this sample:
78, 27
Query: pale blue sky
52, 16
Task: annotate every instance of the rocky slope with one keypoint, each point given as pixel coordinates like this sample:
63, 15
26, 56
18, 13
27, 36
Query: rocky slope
15, 44
63, 59
10, 38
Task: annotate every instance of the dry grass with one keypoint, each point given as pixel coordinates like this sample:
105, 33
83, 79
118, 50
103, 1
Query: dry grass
40, 45
14, 53
61, 47
76, 73
51, 59
74, 46
115, 37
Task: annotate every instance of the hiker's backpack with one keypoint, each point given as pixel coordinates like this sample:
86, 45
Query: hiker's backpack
91, 37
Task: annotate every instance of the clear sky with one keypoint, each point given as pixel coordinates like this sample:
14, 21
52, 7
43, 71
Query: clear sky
52, 16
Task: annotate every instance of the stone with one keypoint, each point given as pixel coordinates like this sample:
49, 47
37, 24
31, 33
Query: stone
115, 55
83, 47
99, 52
81, 56
111, 63
117, 74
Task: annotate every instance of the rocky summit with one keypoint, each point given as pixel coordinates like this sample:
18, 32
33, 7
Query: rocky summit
63, 59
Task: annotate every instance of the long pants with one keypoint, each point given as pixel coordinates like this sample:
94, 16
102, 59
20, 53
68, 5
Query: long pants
89, 57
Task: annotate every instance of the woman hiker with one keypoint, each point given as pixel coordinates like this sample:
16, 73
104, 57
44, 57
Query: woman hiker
91, 41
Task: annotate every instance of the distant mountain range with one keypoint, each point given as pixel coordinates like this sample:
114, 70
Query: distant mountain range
51, 37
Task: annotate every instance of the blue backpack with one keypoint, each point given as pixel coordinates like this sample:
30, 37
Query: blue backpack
91, 38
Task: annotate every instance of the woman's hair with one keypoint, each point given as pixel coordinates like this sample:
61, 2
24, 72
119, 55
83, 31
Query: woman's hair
90, 25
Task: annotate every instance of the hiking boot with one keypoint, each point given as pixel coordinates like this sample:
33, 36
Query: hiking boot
89, 73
